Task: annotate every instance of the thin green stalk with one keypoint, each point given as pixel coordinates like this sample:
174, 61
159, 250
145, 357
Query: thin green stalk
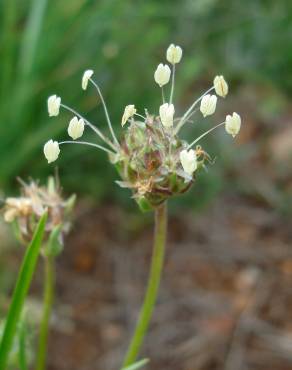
153, 285
47, 309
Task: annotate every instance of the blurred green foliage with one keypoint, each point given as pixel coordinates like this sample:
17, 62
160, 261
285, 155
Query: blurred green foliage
46, 45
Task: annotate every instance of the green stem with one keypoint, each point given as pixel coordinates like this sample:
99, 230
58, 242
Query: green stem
153, 285
47, 308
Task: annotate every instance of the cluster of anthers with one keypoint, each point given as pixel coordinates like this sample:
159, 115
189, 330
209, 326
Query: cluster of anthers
151, 158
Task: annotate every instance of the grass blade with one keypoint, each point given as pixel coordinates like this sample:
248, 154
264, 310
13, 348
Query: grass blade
20, 292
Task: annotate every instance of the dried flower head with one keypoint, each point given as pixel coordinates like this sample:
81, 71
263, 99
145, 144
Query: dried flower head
26, 210
152, 158
17, 207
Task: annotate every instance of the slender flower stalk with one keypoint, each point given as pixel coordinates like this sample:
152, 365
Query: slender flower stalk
105, 111
205, 134
173, 56
87, 143
189, 112
181, 122
162, 95
152, 287
94, 128
49, 288
140, 115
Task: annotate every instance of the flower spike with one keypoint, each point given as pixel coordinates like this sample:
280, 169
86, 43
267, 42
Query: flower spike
151, 157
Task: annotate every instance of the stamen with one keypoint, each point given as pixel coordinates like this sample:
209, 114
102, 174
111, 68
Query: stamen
94, 128
186, 115
204, 134
105, 111
87, 143
140, 115
162, 94
182, 122
172, 83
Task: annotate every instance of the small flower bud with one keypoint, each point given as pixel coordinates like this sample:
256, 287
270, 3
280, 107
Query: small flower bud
188, 161
76, 128
51, 150
162, 74
232, 124
174, 54
54, 103
220, 86
85, 78
128, 113
166, 112
208, 104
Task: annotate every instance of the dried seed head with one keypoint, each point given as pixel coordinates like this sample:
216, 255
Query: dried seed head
34, 200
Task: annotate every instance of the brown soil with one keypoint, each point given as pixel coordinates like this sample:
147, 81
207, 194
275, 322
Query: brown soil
225, 301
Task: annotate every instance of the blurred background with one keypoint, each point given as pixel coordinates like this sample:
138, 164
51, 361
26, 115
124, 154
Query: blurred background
226, 296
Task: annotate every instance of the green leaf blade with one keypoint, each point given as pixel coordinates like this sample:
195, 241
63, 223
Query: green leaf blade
20, 292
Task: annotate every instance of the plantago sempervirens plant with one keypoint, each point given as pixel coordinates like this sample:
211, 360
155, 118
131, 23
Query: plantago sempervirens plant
152, 158
24, 213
